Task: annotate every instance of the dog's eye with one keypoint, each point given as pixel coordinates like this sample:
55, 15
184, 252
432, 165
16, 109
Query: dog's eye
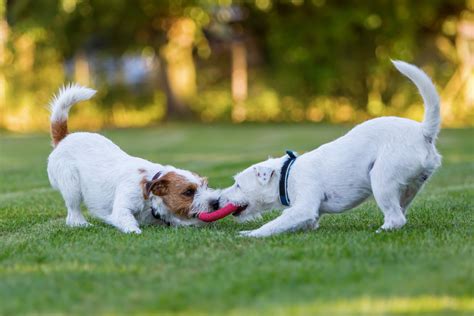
189, 192
237, 186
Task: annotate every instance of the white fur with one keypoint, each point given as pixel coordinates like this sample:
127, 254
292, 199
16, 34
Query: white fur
432, 120
89, 167
67, 96
388, 157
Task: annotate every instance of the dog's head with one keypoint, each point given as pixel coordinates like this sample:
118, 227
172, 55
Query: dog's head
255, 190
178, 195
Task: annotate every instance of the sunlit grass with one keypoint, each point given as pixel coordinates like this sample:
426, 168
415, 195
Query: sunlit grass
342, 268
429, 305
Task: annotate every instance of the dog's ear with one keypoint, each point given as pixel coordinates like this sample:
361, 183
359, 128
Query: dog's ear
157, 187
263, 174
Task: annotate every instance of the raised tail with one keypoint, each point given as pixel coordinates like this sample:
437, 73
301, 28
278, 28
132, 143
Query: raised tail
432, 120
67, 96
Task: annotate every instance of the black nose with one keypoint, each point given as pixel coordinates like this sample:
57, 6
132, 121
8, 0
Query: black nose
214, 204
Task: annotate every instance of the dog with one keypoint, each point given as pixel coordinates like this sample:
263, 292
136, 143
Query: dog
387, 157
122, 190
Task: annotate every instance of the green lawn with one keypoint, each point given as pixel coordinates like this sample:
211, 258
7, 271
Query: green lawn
342, 268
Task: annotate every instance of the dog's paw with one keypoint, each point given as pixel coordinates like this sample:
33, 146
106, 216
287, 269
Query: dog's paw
251, 233
244, 233
391, 225
386, 229
78, 223
132, 230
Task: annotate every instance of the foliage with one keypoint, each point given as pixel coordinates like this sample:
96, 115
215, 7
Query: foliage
307, 60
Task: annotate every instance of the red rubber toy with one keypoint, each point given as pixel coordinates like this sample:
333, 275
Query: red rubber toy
220, 213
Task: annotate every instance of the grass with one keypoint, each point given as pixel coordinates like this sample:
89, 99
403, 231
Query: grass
342, 268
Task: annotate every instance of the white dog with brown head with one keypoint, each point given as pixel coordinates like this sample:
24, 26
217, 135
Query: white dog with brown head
388, 157
122, 190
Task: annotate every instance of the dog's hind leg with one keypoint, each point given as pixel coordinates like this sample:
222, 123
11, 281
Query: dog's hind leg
74, 215
387, 190
412, 190
70, 189
408, 195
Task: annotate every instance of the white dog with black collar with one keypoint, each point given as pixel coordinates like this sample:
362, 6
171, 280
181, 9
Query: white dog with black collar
120, 189
388, 157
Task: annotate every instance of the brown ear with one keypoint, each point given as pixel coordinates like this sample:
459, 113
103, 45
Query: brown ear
158, 187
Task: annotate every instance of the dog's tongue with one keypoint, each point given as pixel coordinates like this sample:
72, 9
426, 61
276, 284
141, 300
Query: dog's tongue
220, 213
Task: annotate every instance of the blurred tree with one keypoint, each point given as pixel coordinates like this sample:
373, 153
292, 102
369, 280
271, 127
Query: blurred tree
460, 87
77, 28
155, 25
4, 30
316, 60
179, 75
344, 48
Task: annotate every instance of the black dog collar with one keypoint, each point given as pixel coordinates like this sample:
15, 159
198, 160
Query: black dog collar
157, 216
156, 176
284, 175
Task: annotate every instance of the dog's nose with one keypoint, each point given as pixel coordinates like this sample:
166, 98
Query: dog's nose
214, 204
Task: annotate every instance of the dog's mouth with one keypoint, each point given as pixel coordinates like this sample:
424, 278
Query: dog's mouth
240, 210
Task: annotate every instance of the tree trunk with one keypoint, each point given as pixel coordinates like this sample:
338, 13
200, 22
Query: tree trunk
3, 81
175, 108
178, 71
239, 80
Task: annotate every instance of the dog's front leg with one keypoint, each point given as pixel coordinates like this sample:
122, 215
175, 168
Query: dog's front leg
122, 213
298, 217
123, 219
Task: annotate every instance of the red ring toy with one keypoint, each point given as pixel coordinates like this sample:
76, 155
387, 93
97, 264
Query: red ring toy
220, 213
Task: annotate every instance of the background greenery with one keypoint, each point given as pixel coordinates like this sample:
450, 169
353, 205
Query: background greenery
225, 60
342, 268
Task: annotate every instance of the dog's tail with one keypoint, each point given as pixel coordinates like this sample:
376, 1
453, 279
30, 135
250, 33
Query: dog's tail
67, 96
432, 120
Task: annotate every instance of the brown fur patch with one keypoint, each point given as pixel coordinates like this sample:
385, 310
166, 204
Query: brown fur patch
58, 131
143, 185
174, 190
